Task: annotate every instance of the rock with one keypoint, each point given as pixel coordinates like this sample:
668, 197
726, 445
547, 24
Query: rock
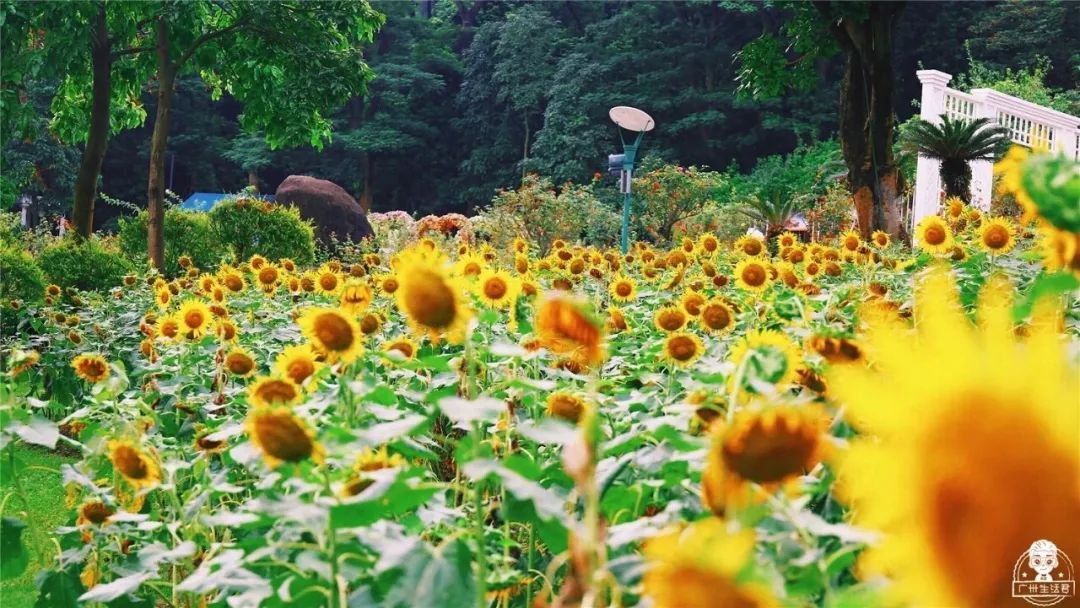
327, 205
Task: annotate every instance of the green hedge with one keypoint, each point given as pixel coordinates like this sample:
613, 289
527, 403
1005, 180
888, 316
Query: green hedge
249, 226
186, 233
20, 276
91, 265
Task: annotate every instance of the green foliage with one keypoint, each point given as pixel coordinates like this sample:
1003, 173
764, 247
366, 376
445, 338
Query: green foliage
956, 142
1027, 83
186, 233
773, 64
667, 196
22, 278
247, 226
94, 265
1052, 181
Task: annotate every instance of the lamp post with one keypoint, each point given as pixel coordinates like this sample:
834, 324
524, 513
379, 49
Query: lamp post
631, 119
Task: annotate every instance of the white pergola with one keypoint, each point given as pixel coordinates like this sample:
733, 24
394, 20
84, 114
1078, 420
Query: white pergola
1025, 121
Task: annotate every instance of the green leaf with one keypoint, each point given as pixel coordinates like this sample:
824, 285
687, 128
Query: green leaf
13, 555
381, 501
1047, 285
443, 578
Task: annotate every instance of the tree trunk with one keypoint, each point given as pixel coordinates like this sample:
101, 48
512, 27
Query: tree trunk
866, 117
956, 179
97, 139
253, 179
366, 196
155, 192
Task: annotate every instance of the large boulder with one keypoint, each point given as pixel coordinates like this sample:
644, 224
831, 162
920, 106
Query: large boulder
327, 205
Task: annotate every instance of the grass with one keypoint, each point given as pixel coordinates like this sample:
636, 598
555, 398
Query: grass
44, 510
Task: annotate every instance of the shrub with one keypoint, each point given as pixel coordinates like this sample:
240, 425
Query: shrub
667, 198
186, 233
248, 226
95, 264
23, 279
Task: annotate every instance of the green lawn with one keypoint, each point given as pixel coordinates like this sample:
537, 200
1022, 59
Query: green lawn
45, 498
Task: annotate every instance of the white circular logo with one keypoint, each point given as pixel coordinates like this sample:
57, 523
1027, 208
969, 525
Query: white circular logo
1043, 576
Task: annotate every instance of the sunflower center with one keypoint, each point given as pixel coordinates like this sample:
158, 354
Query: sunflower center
671, 320
276, 391
283, 438
130, 463
194, 319
328, 281
96, 512
682, 348
390, 285
765, 453
495, 288
431, 301
996, 237
239, 363
268, 275
754, 275
403, 347
752, 247
369, 324
935, 235
623, 289
716, 317
333, 332
300, 369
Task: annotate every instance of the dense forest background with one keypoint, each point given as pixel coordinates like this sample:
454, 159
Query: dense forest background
470, 95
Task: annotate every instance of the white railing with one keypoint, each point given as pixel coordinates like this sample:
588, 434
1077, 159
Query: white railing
1028, 124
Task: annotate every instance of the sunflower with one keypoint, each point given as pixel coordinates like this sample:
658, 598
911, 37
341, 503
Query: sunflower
327, 281
850, 241
233, 281
307, 281
771, 446
401, 347
1060, 250
497, 289
954, 208
206, 445
934, 235
622, 288
367, 462
703, 566
880, 239
169, 327
195, 318
682, 348
568, 326
567, 406
268, 276
53, 290
333, 333
256, 261
708, 243
670, 318
137, 467
162, 297
432, 301
22, 360
521, 264
387, 283
997, 235
752, 274
240, 362
355, 297
787, 239
692, 301
91, 367
371, 323
616, 320
767, 356
281, 436
94, 513
836, 350
749, 245
716, 316
225, 329
267, 391
297, 363
470, 266
961, 428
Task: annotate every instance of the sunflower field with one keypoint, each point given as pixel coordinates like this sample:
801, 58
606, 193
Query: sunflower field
841, 424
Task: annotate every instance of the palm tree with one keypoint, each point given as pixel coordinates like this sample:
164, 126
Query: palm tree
956, 143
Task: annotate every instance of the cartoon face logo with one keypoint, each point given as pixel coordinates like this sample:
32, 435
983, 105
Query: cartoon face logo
1042, 558
1044, 575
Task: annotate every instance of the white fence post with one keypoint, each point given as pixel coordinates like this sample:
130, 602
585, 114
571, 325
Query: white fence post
927, 178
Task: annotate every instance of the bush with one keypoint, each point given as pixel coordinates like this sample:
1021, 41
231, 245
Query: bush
670, 200
186, 233
23, 279
248, 226
95, 264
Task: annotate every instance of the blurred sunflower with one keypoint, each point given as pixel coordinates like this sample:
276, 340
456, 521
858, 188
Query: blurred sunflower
268, 277
752, 274
297, 363
836, 350
703, 566
616, 320
355, 297
371, 323
327, 281
850, 241
749, 245
768, 356
432, 301
786, 239
91, 367
565, 405
708, 243
333, 333
567, 326
195, 317
369, 461
240, 362
281, 436
470, 266
934, 235
880, 239
402, 347
1060, 250
997, 235
233, 281
682, 348
136, 466
256, 261
969, 447
268, 391
169, 327
622, 288
497, 289
387, 283
716, 316
954, 208
692, 301
162, 297
94, 512
772, 446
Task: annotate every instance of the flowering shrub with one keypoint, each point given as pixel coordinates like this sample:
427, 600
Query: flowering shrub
671, 201
393, 229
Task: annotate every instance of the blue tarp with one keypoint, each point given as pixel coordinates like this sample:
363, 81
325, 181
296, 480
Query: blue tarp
205, 201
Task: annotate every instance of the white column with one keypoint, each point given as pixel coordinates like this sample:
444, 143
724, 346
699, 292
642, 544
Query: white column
982, 171
927, 178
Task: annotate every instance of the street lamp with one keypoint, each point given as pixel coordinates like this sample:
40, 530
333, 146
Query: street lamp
631, 119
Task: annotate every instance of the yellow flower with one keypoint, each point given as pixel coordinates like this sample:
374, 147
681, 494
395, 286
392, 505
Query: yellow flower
267, 391
567, 406
708, 243
682, 348
670, 318
268, 277
387, 283
616, 320
836, 350
91, 367
401, 347
194, 317
431, 300
749, 245
232, 280
162, 297
297, 363
622, 288
138, 468
566, 326
997, 235
22, 360
355, 297
497, 289
850, 241
692, 302
327, 281
769, 355
752, 274
94, 513
703, 566
880, 239
716, 316
968, 451
470, 266
770, 446
240, 362
934, 235
1060, 250
281, 436
786, 239
333, 333
368, 461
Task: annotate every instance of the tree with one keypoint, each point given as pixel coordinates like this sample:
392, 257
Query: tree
863, 32
955, 143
